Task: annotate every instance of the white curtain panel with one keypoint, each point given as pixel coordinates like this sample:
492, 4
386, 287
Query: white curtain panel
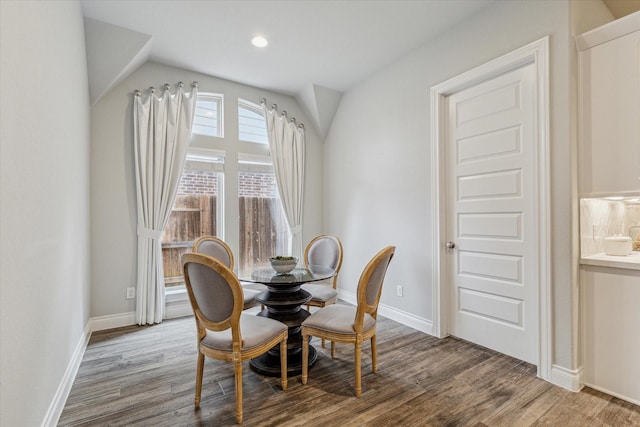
162, 130
286, 142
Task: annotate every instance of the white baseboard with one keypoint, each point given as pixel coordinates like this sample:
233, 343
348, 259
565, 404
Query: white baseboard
113, 321
418, 323
178, 309
62, 393
571, 379
172, 311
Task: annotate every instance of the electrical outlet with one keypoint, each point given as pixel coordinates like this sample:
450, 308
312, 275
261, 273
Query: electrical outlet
399, 290
131, 293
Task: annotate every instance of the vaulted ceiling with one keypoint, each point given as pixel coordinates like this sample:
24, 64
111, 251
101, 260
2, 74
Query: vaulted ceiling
317, 48
330, 43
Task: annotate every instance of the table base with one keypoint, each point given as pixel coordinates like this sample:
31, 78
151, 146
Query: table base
269, 363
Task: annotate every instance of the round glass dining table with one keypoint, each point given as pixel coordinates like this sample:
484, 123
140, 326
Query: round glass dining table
283, 300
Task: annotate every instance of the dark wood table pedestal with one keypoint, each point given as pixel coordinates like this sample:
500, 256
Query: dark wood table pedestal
283, 300
285, 306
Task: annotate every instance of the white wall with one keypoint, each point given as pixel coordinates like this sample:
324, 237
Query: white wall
113, 206
44, 193
380, 140
585, 15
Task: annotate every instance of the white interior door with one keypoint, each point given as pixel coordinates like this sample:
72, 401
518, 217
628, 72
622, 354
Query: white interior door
490, 180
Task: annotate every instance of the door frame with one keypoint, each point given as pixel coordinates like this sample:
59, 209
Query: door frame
536, 53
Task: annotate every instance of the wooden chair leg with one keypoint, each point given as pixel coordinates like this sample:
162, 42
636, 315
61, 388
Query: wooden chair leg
305, 357
323, 342
358, 358
238, 369
333, 349
283, 364
199, 373
374, 355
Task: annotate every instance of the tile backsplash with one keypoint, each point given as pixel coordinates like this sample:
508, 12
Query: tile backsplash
600, 218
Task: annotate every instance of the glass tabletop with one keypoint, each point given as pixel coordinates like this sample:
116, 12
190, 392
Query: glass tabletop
268, 276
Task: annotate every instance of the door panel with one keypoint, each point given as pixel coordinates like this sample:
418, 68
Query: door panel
503, 142
490, 185
490, 176
491, 307
490, 225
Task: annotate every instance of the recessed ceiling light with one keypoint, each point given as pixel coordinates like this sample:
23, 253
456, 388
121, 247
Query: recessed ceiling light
259, 41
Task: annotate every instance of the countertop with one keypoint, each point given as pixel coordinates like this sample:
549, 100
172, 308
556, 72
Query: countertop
630, 262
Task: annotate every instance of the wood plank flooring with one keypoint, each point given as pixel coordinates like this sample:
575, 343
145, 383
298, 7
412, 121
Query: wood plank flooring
145, 376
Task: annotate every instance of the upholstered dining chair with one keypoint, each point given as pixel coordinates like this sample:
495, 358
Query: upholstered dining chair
349, 324
325, 251
218, 249
224, 331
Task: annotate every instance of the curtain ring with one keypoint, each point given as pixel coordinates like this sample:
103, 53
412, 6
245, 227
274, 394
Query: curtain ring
166, 86
180, 85
152, 89
137, 93
194, 84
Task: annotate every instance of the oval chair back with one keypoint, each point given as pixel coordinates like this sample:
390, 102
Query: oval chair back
370, 285
215, 248
325, 251
218, 249
214, 292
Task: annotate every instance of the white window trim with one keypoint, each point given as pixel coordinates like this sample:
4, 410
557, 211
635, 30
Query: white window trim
254, 163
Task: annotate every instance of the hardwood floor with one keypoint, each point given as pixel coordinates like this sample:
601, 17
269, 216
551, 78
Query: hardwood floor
145, 376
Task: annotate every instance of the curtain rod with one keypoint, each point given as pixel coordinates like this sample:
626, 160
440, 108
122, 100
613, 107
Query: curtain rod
165, 87
283, 113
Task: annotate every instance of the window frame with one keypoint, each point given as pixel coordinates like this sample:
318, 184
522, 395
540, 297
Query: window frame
239, 156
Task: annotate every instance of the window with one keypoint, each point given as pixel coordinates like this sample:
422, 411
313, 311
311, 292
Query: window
208, 115
197, 212
263, 228
251, 124
230, 176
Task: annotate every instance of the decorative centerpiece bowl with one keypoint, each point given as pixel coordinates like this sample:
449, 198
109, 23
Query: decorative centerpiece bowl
283, 264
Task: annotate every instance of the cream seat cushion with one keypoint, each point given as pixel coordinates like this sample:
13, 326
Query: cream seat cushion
255, 331
338, 318
321, 292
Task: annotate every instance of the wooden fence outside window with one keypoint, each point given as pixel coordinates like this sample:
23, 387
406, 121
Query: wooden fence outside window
263, 232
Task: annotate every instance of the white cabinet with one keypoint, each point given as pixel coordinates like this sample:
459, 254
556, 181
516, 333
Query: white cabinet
609, 105
608, 165
611, 330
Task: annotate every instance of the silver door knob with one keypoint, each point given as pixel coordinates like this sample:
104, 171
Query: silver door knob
451, 245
